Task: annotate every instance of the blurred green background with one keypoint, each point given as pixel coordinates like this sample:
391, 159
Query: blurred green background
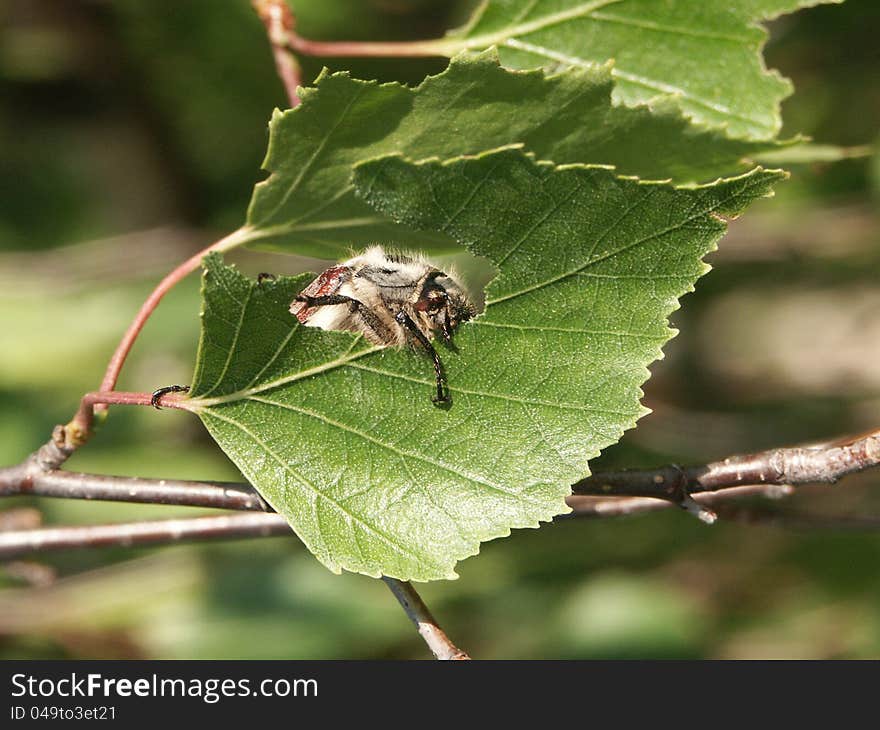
131, 134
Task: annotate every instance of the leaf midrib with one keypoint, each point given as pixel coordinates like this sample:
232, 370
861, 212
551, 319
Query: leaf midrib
718, 205
395, 449
489, 39
199, 403
632, 78
498, 396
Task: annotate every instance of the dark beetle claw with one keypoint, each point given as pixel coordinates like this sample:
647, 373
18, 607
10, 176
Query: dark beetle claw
159, 393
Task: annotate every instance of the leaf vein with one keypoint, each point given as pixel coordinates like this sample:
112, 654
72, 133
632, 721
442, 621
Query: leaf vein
393, 448
500, 396
234, 345
302, 480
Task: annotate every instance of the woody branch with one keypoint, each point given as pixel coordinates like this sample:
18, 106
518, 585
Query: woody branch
40, 475
604, 494
819, 463
601, 495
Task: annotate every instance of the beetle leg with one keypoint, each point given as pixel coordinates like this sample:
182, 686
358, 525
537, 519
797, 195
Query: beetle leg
404, 319
328, 300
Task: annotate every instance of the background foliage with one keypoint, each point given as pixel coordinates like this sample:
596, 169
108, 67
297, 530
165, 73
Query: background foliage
102, 135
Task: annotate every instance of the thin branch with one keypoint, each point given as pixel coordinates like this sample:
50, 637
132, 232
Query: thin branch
279, 21
436, 639
588, 506
49, 457
73, 485
162, 288
87, 406
78, 430
822, 463
768, 473
31, 479
153, 532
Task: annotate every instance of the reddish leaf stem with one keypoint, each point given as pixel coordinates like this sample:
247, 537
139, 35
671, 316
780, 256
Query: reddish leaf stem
352, 49
281, 29
80, 427
90, 402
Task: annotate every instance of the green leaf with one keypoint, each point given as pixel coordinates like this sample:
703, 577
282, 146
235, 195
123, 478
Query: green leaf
341, 437
307, 204
708, 54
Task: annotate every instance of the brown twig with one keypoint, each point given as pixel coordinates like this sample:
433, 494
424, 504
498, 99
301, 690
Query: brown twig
280, 23
768, 473
31, 479
49, 457
821, 463
436, 639
610, 506
152, 532
73, 485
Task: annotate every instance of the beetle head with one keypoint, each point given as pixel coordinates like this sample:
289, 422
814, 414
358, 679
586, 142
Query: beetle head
443, 304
